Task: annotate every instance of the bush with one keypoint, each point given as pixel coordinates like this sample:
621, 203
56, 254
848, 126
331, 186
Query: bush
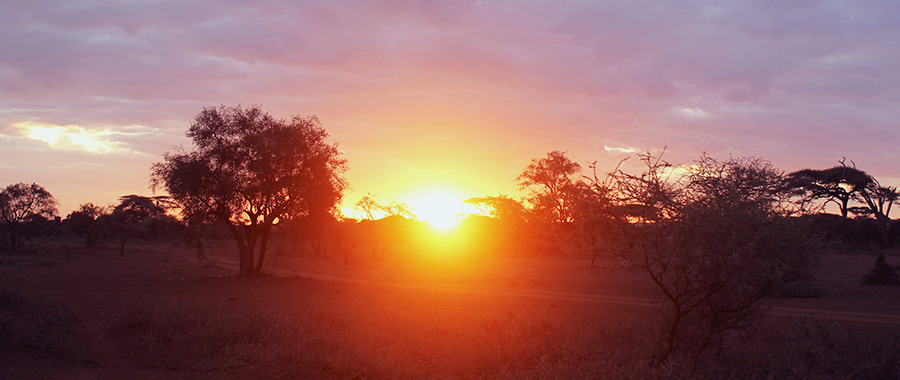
882, 274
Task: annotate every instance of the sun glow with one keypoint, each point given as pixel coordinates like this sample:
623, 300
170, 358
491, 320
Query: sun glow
442, 209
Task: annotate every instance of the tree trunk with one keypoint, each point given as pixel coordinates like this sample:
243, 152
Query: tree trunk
122, 247
884, 225
262, 249
671, 337
243, 269
247, 262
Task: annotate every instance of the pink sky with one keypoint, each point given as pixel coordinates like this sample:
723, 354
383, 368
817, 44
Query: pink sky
438, 94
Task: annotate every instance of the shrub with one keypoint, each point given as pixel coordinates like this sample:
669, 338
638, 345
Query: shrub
882, 274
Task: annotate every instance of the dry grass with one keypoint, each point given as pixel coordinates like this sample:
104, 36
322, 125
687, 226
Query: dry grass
214, 338
31, 324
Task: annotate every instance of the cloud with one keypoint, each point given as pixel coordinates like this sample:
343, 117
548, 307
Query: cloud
69, 137
799, 83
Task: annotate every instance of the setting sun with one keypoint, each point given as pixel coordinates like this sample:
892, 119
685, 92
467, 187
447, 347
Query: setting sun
442, 209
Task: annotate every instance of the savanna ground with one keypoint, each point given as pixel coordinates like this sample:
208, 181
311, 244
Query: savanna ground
159, 313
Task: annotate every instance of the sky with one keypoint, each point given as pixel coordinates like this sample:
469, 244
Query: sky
449, 95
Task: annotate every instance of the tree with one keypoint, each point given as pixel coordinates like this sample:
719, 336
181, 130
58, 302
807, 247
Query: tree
22, 202
551, 180
843, 184
369, 206
596, 222
879, 199
85, 222
126, 219
252, 171
382, 230
714, 242
839, 184
500, 207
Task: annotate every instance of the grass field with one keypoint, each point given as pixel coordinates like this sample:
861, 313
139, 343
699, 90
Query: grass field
157, 313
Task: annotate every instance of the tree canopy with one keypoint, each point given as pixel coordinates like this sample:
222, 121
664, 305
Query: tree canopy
22, 202
85, 222
252, 171
714, 241
551, 182
838, 184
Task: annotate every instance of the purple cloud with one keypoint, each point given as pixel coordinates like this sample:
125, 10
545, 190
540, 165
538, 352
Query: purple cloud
423, 89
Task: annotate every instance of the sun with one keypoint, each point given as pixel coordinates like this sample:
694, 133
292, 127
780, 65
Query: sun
442, 209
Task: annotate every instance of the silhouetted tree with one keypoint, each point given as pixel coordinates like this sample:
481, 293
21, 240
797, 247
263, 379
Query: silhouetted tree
879, 199
380, 223
371, 208
839, 184
500, 207
597, 222
551, 180
252, 171
842, 185
22, 202
127, 218
85, 222
714, 242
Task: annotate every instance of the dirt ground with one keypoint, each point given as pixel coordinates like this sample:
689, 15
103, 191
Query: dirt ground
96, 284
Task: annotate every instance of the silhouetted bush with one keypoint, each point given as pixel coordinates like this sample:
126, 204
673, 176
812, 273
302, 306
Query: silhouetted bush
851, 233
882, 274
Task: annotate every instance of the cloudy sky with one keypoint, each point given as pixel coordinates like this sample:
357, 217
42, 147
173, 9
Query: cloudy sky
448, 94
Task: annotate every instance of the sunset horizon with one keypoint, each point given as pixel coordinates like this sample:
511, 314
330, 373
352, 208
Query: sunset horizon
449, 189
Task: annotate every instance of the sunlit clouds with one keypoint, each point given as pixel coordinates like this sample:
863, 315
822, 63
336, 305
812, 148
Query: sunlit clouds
71, 137
620, 149
693, 113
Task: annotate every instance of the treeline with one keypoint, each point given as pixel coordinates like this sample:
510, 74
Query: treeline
249, 172
29, 211
715, 236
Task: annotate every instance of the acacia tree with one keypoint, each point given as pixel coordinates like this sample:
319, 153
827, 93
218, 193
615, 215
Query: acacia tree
501, 207
843, 184
714, 241
839, 184
379, 223
552, 180
370, 206
253, 171
22, 202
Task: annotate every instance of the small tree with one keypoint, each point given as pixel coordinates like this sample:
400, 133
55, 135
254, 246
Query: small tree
252, 171
501, 207
551, 180
127, 218
85, 222
380, 223
714, 241
878, 201
882, 274
22, 202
